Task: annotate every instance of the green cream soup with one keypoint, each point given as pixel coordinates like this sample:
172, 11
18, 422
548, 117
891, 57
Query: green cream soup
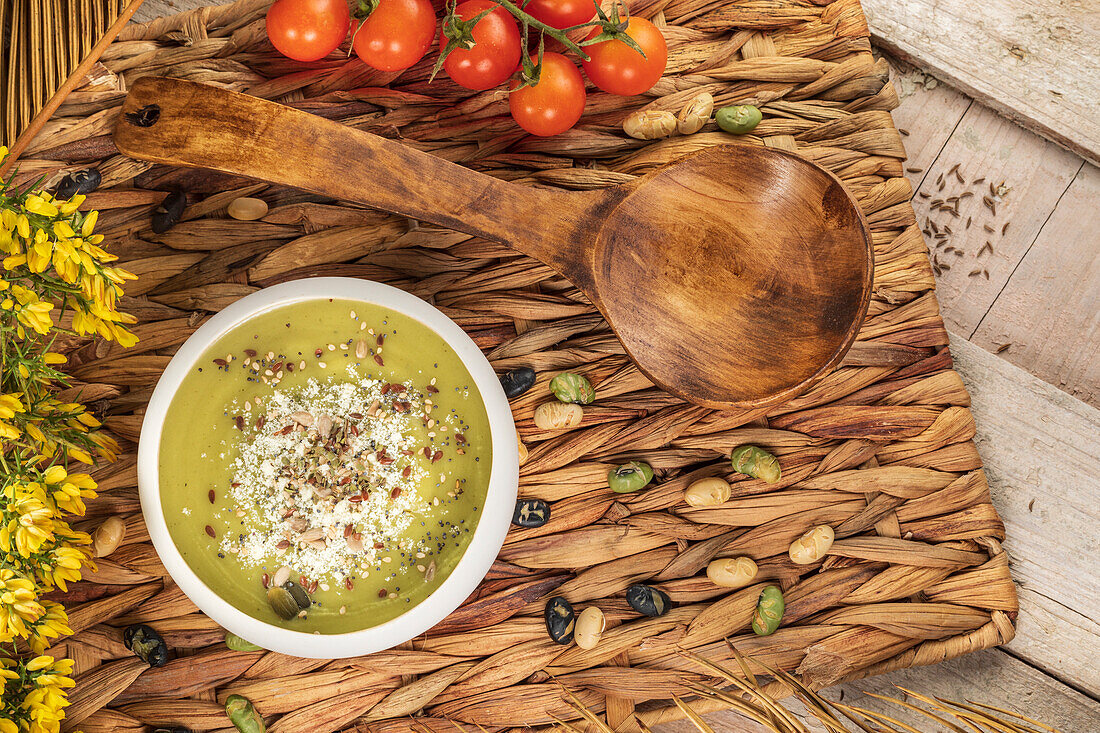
324, 465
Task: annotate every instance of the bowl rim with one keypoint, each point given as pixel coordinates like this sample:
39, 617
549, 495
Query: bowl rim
478, 556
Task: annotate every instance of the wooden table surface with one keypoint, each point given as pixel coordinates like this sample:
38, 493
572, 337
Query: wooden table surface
1024, 312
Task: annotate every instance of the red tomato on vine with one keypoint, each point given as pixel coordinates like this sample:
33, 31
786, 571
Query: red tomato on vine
554, 104
561, 13
307, 30
495, 52
617, 68
396, 34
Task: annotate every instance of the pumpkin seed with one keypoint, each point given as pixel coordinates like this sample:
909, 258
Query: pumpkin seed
243, 715
590, 626
629, 477
147, 644
560, 620
754, 461
769, 611
298, 594
569, 387
282, 603
647, 600
517, 381
531, 513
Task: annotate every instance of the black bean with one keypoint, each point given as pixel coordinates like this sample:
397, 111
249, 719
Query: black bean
84, 181
169, 212
517, 381
648, 600
147, 644
147, 116
531, 513
560, 620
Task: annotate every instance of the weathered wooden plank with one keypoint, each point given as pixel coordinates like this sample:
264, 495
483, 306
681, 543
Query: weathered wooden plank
1034, 61
1041, 449
1050, 309
929, 111
1035, 173
991, 677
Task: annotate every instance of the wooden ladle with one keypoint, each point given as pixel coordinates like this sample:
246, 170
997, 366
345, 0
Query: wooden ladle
736, 277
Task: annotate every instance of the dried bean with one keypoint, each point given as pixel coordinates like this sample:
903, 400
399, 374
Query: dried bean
108, 536
629, 477
650, 124
569, 387
147, 644
696, 114
560, 621
558, 415
590, 626
707, 492
754, 461
517, 381
238, 644
531, 513
247, 209
647, 600
168, 214
812, 546
243, 715
522, 449
769, 611
738, 119
732, 572
78, 182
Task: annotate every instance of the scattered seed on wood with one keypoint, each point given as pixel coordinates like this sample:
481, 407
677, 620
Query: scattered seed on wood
968, 220
986, 247
1004, 228
914, 170
903, 131
975, 273
985, 273
977, 181
924, 195
1003, 348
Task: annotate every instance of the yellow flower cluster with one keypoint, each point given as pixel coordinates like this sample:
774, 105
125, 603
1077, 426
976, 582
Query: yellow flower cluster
34, 694
39, 233
55, 278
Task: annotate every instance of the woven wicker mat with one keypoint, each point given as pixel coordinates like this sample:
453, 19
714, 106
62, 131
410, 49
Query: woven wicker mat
881, 449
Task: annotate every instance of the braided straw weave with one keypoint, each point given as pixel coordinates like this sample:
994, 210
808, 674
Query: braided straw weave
881, 449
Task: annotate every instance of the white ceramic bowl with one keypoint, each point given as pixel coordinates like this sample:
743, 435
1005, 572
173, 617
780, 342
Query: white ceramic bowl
483, 547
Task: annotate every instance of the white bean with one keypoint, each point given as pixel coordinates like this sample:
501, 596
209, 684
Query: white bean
812, 546
247, 209
707, 492
558, 415
108, 536
732, 572
590, 626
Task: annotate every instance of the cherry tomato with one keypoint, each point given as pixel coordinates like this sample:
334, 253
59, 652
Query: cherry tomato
561, 13
307, 30
555, 103
396, 35
618, 69
495, 54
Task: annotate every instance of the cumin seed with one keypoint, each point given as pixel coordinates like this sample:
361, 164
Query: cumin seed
1003, 348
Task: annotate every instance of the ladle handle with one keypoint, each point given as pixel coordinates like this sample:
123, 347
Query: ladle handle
178, 122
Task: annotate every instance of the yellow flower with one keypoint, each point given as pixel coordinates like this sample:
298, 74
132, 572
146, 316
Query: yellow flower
29, 310
37, 204
51, 625
10, 404
18, 605
71, 494
89, 224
